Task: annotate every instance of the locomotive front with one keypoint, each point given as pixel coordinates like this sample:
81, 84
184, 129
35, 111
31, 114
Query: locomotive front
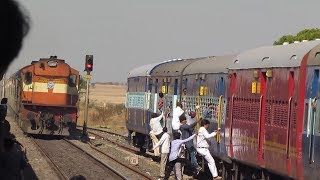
48, 97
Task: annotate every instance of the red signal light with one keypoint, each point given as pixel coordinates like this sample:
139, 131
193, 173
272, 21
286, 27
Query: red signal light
89, 63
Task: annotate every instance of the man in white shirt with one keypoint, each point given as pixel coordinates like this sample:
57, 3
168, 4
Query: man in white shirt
177, 112
156, 130
165, 148
203, 147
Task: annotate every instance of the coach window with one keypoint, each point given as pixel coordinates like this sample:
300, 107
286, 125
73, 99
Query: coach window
221, 86
28, 77
156, 86
72, 80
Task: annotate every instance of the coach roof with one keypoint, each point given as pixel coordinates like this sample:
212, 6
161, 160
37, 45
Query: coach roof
172, 68
142, 70
273, 56
212, 64
314, 56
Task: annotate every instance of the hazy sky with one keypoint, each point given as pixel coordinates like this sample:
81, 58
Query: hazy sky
125, 34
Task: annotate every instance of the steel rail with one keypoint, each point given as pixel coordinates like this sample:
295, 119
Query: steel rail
105, 131
53, 165
104, 164
115, 143
123, 164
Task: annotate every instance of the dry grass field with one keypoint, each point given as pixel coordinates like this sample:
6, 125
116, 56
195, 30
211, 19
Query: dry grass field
106, 107
113, 94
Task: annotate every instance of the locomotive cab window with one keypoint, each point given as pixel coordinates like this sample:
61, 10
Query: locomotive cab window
28, 78
73, 80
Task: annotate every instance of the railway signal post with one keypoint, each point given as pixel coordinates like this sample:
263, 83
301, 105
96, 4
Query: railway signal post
88, 68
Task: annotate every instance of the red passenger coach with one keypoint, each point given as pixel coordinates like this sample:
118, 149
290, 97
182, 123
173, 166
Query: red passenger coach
266, 103
262, 124
44, 97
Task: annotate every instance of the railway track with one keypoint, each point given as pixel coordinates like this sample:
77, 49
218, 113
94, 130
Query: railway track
118, 140
69, 160
114, 141
48, 159
103, 131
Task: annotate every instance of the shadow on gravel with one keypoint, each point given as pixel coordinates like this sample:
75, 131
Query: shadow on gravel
28, 173
74, 135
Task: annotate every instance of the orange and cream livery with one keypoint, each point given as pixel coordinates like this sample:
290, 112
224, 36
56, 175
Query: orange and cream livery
44, 97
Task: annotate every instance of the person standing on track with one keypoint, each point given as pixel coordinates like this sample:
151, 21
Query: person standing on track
174, 154
203, 147
165, 149
186, 132
156, 130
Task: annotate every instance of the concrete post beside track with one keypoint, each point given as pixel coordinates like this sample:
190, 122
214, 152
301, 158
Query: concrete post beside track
84, 132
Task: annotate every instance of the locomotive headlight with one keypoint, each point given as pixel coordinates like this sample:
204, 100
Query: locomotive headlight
52, 63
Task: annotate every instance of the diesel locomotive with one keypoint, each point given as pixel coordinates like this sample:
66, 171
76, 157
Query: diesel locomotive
43, 97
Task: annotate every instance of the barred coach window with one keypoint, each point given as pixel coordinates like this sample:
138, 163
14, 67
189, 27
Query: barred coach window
28, 78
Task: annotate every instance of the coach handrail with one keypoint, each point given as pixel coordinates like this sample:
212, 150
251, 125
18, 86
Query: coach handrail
309, 116
259, 128
289, 127
219, 118
311, 126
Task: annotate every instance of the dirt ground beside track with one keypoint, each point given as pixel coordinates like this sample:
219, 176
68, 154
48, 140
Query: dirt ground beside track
38, 167
102, 95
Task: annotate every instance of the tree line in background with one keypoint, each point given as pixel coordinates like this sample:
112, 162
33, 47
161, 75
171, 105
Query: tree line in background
306, 34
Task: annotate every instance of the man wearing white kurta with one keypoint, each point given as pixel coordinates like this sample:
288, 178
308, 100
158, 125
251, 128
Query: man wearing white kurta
203, 147
177, 112
156, 130
165, 148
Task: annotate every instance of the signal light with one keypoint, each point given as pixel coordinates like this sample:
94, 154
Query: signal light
89, 63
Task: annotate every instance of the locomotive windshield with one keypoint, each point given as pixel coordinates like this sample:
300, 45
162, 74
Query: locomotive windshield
28, 77
72, 80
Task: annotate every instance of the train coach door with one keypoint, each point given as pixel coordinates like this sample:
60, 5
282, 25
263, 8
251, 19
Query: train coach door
313, 110
232, 91
261, 127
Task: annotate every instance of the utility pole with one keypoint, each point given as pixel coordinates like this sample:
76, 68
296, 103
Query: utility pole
88, 69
